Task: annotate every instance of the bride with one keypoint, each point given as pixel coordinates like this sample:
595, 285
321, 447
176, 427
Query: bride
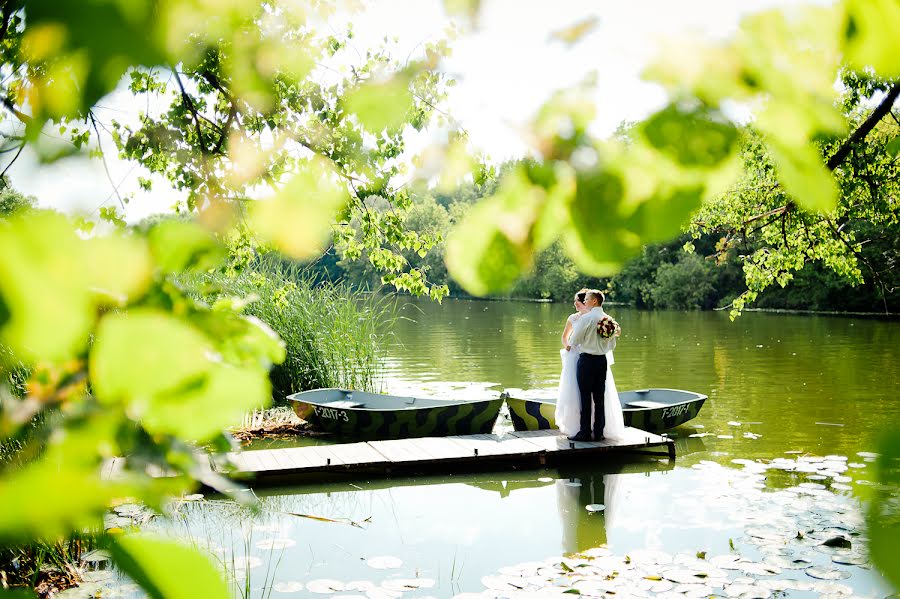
568, 401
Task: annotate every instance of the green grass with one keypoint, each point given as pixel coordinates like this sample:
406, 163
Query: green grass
334, 337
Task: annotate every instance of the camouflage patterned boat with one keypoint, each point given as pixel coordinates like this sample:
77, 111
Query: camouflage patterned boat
364, 415
651, 410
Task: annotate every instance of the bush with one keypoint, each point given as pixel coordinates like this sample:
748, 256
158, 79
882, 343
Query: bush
333, 336
685, 285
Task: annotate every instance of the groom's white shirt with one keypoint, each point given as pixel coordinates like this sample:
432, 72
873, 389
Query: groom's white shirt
584, 334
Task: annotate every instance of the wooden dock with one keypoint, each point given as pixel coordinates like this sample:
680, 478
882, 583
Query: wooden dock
428, 455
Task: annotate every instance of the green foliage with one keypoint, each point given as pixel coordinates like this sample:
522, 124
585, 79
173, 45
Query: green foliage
163, 369
684, 285
166, 569
12, 202
775, 239
884, 509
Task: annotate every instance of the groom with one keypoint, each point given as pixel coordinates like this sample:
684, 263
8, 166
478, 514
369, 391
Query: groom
591, 371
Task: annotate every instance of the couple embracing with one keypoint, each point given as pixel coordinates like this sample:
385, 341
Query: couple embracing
587, 402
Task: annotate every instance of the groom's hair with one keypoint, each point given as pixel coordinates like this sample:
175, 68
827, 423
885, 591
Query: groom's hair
595, 293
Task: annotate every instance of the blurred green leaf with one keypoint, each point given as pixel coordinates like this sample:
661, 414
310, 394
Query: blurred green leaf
166, 569
178, 245
573, 33
884, 509
202, 410
495, 242
804, 177
64, 35
870, 35
480, 255
597, 243
43, 286
662, 216
381, 104
466, 8
298, 219
893, 147
119, 267
241, 339
16, 594
692, 137
62, 490
170, 377
145, 354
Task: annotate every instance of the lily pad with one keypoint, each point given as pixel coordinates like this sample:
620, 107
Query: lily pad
503, 583
595, 507
850, 560
787, 563
662, 586
811, 486
727, 562
823, 573
748, 591
684, 577
288, 586
831, 588
97, 575
324, 586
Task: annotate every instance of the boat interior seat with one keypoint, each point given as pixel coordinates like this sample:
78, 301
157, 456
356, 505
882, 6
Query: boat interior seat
345, 403
645, 403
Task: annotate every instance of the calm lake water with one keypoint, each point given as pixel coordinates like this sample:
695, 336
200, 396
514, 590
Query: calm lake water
787, 388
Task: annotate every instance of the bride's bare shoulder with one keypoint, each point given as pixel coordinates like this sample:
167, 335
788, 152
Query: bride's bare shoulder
574, 317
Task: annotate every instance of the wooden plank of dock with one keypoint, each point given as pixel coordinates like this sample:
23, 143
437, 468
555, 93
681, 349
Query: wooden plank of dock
429, 455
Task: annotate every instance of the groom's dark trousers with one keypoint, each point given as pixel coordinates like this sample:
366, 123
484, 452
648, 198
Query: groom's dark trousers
591, 375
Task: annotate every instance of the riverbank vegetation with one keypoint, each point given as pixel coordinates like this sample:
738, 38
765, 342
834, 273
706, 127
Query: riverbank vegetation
747, 246
333, 337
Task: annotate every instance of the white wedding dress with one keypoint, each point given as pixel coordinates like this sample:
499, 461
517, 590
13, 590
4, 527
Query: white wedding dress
568, 399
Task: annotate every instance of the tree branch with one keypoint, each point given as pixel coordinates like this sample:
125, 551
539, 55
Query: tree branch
103, 158
18, 113
3, 174
879, 113
193, 109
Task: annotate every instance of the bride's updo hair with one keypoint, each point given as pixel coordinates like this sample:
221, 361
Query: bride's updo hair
581, 295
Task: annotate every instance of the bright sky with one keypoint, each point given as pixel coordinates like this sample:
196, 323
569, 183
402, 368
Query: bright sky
505, 68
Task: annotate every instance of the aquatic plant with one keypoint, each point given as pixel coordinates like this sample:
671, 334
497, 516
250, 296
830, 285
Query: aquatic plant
334, 337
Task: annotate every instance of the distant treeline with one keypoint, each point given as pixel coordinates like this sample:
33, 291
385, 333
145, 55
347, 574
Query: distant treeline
664, 276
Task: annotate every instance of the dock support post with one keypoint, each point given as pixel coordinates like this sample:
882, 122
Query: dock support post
671, 445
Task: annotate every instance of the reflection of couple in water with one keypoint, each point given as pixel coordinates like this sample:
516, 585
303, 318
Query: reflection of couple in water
587, 401
581, 529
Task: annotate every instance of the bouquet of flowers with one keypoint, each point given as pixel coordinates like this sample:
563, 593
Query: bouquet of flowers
607, 327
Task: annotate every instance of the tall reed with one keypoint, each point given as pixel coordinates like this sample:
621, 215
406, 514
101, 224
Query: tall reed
334, 337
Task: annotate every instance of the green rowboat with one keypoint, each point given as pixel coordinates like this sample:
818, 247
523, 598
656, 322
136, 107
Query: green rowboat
362, 415
651, 410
